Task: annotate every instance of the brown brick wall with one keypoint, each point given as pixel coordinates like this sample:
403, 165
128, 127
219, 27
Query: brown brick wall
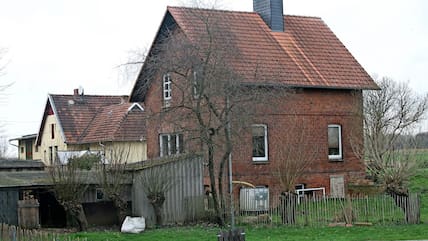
314, 110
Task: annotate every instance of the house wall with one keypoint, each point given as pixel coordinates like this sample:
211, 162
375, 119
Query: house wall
47, 140
306, 115
132, 151
309, 109
22, 149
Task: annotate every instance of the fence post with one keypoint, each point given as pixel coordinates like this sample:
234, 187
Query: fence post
232, 235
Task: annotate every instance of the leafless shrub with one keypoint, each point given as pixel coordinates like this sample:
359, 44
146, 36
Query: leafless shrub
69, 185
156, 183
112, 175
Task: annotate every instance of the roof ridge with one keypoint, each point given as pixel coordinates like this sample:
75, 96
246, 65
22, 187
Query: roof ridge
237, 11
71, 95
210, 9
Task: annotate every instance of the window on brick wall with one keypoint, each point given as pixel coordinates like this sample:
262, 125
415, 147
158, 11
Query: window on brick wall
260, 142
171, 144
334, 142
167, 89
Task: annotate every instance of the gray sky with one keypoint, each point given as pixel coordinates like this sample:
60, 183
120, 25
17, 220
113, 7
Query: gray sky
58, 45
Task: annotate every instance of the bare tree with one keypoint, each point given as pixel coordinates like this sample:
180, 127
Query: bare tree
69, 185
212, 105
389, 113
295, 154
3, 87
112, 176
156, 183
3, 146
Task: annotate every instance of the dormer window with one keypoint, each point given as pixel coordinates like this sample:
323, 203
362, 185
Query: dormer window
166, 86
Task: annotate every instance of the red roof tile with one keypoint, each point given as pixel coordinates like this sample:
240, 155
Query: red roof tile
306, 54
91, 118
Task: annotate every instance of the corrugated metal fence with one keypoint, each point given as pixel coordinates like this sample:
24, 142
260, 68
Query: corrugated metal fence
184, 201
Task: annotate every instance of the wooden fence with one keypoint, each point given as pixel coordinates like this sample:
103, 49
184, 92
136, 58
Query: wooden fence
322, 211
13, 233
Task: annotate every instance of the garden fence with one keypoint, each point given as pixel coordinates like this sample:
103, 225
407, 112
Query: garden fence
13, 233
321, 211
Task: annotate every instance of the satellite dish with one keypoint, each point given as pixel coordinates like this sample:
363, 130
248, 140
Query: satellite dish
81, 91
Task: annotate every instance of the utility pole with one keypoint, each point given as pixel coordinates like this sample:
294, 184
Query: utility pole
232, 208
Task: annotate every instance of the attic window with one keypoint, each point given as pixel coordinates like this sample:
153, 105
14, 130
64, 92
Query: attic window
52, 131
166, 86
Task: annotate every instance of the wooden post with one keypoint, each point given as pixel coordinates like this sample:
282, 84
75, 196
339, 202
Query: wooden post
232, 235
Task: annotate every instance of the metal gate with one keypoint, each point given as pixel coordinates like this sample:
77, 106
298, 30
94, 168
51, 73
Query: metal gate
9, 206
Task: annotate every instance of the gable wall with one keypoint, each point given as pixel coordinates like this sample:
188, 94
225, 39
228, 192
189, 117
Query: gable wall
47, 140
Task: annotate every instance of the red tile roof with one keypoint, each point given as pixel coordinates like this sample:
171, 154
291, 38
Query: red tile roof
91, 118
306, 54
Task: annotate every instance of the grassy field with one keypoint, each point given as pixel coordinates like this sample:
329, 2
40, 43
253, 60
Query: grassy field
419, 184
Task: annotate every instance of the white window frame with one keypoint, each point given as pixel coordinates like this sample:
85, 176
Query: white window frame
340, 155
167, 92
266, 157
177, 144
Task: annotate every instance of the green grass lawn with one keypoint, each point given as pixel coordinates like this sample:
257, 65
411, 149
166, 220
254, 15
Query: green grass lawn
403, 232
419, 184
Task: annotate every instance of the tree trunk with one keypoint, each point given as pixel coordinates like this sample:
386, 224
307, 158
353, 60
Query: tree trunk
121, 209
219, 216
288, 207
77, 213
81, 218
158, 214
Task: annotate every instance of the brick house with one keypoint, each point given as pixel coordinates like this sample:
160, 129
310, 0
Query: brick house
297, 52
80, 122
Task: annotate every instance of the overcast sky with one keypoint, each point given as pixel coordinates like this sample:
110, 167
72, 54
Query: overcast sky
55, 46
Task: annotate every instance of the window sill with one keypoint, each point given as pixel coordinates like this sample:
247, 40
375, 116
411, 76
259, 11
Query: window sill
260, 162
332, 159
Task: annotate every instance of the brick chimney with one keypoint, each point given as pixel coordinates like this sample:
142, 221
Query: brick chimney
271, 12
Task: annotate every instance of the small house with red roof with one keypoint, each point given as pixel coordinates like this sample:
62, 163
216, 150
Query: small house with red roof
79, 122
298, 52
